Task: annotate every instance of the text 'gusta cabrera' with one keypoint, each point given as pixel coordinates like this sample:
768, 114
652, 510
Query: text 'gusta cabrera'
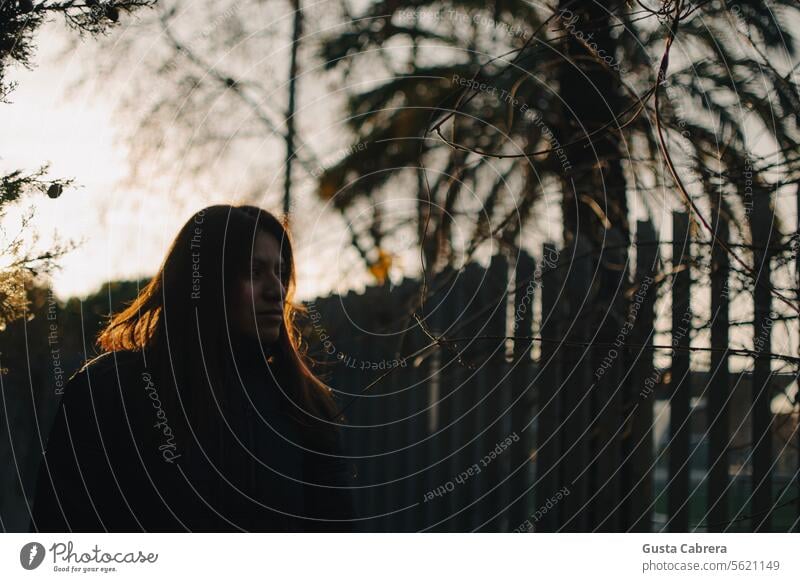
683, 549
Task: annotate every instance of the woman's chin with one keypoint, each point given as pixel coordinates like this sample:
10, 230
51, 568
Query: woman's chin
269, 335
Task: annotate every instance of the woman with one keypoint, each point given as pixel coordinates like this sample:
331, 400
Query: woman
201, 414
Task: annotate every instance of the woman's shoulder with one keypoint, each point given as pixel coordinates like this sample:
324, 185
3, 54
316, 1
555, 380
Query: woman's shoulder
109, 362
101, 401
122, 363
96, 374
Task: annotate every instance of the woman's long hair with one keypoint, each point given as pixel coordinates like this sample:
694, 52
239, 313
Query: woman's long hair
181, 319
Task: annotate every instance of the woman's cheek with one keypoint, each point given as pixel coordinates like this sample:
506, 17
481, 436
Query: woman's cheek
249, 294
244, 305
245, 295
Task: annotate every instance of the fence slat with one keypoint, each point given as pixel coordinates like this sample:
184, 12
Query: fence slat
576, 391
495, 371
763, 221
416, 376
457, 376
548, 409
609, 375
476, 388
719, 384
439, 389
678, 481
517, 498
797, 380
637, 470
463, 308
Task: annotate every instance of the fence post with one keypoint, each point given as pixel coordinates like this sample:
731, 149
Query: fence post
797, 378
576, 393
371, 414
526, 280
719, 383
679, 424
416, 373
548, 409
763, 221
466, 400
609, 377
458, 376
438, 312
494, 371
398, 404
637, 471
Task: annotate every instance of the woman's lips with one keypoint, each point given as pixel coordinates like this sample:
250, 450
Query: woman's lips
270, 314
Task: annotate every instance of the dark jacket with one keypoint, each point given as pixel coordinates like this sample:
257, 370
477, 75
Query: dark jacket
114, 461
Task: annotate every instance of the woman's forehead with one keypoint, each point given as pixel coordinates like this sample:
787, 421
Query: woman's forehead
266, 248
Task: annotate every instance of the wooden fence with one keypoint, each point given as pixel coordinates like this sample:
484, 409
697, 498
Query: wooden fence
453, 427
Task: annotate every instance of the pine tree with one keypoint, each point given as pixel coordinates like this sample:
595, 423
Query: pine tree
19, 22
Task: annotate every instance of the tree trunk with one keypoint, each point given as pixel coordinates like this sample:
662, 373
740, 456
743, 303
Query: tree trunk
595, 215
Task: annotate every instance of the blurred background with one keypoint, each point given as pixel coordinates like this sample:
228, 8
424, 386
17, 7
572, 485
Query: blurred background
549, 250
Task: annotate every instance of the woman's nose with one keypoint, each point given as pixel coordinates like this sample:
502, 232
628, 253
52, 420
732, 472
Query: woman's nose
273, 291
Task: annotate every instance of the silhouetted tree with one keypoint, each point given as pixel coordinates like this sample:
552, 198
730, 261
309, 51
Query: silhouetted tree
20, 20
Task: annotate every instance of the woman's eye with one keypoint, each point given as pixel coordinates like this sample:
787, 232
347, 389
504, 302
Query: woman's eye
262, 272
257, 272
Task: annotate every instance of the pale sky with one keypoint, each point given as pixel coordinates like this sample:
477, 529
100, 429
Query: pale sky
125, 233
76, 135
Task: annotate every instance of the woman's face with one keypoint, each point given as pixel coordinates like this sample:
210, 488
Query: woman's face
258, 295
